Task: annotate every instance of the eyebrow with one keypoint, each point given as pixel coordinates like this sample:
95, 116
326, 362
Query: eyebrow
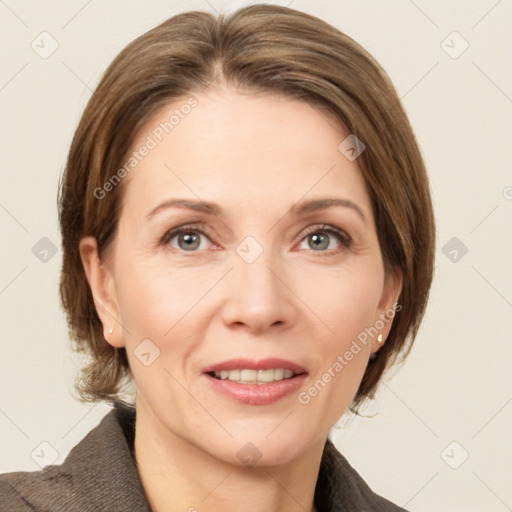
312, 205
300, 208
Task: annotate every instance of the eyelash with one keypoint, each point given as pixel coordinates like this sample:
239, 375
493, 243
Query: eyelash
344, 239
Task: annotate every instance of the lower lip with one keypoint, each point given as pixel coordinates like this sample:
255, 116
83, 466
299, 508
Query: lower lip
257, 394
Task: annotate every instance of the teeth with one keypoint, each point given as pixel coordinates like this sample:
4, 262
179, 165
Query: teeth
265, 376
233, 375
278, 374
245, 376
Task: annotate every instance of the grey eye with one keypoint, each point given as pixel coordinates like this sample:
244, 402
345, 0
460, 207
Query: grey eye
318, 241
186, 240
190, 241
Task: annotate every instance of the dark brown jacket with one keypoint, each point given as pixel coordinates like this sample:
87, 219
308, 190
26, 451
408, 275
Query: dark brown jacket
99, 474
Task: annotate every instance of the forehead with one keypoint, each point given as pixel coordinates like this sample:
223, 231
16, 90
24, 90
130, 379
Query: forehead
243, 148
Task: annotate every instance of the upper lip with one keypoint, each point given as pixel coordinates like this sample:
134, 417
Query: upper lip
251, 364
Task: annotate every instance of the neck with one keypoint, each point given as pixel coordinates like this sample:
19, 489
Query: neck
178, 476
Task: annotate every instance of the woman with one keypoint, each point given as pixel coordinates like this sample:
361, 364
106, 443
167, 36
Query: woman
248, 238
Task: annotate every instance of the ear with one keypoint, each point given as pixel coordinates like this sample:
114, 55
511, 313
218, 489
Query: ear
388, 307
101, 282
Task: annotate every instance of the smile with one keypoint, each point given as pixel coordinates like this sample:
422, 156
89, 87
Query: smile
255, 382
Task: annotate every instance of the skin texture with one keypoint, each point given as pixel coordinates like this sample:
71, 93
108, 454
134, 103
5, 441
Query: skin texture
256, 156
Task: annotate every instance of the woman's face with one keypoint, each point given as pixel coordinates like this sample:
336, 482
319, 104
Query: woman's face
258, 274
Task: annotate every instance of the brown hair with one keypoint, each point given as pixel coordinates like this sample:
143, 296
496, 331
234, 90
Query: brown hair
260, 48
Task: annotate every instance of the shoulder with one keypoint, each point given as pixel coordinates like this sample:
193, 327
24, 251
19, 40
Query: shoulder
99, 473
340, 487
31, 490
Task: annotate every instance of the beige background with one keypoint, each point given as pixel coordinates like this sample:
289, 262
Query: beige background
456, 384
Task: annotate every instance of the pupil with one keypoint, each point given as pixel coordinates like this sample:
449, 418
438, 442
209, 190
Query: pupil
190, 241
321, 239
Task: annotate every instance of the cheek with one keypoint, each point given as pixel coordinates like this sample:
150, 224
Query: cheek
152, 298
349, 310
356, 312
157, 304
345, 301
163, 305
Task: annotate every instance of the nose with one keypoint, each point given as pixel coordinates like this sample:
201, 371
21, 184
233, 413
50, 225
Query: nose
258, 296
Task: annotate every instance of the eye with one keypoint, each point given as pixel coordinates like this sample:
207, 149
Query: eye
323, 239
188, 238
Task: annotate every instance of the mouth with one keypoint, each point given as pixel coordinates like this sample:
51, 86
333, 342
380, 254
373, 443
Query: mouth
255, 382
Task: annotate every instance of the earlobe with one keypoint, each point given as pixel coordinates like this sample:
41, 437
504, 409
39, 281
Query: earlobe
100, 282
387, 307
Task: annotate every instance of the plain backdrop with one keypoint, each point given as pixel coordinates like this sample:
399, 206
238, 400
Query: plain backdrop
439, 435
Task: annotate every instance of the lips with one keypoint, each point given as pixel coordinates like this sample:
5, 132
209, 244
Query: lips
248, 364
249, 388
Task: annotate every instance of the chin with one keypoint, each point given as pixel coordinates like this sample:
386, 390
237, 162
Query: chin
259, 446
